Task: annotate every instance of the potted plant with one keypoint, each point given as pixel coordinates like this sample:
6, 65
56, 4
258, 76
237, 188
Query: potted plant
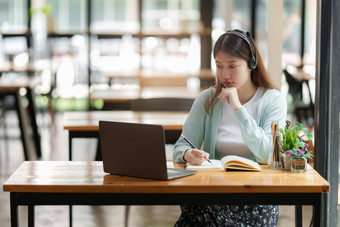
295, 152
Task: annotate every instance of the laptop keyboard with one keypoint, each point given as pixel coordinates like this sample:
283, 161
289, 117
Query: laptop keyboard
176, 173
172, 172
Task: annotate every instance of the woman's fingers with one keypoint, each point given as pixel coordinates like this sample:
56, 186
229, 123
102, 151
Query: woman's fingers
230, 95
197, 157
225, 93
206, 156
198, 153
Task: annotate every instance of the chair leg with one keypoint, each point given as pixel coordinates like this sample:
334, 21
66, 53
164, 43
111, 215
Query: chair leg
3, 122
127, 211
98, 152
36, 135
297, 114
22, 124
50, 110
2, 117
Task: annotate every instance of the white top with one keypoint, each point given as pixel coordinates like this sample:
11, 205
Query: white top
229, 140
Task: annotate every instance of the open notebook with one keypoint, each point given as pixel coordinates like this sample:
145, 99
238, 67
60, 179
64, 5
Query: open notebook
229, 162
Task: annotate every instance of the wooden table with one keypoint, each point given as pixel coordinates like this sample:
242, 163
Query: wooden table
85, 124
85, 183
122, 98
11, 85
151, 77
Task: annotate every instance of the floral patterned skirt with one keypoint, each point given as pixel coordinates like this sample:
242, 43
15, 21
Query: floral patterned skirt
228, 215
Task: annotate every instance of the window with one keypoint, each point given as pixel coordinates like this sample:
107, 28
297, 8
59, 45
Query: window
170, 16
173, 54
261, 27
230, 14
114, 16
292, 32
310, 31
66, 15
13, 16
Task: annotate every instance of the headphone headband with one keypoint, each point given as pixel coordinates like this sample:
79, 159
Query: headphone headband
252, 61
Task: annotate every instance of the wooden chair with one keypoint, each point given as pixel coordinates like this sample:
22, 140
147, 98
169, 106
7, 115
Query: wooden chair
162, 104
301, 110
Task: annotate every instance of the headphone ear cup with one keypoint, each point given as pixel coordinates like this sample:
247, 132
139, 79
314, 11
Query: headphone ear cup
252, 63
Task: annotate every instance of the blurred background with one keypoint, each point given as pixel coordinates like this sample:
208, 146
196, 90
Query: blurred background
93, 55
100, 44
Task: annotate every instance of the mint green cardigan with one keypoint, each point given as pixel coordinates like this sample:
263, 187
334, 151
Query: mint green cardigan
201, 128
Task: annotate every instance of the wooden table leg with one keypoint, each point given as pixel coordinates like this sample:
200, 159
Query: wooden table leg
317, 212
14, 210
70, 215
127, 212
298, 215
30, 215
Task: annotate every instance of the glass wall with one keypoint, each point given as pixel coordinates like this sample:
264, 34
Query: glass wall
261, 28
156, 35
230, 14
170, 16
292, 23
178, 53
66, 15
310, 33
292, 32
114, 16
13, 16
13, 20
162, 41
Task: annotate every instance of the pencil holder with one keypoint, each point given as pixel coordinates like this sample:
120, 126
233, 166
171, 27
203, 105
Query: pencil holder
274, 157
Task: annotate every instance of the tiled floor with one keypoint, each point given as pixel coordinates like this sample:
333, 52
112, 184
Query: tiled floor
55, 147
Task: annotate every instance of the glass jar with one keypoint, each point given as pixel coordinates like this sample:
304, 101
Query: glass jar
286, 161
298, 165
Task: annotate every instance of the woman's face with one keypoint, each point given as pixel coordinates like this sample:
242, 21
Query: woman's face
232, 71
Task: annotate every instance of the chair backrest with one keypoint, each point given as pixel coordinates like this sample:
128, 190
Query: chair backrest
295, 86
162, 104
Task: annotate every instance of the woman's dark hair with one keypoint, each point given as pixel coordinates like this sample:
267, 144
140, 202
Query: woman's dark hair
236, 46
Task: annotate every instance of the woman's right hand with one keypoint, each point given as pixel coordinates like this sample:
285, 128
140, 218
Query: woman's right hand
195, 157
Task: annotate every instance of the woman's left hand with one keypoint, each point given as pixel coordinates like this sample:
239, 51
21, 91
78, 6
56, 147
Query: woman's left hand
231, 96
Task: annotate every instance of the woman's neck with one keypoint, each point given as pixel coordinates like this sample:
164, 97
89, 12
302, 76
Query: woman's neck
246, 93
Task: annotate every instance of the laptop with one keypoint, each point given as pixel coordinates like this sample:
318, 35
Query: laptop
136, 150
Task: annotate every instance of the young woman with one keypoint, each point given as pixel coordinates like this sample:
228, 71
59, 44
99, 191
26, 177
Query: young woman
233, 118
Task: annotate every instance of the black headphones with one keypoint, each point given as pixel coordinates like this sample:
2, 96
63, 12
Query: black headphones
252, 61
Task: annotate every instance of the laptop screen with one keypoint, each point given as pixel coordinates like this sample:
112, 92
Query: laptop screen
133, 149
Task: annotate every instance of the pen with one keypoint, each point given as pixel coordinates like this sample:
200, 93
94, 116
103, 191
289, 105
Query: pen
192, 146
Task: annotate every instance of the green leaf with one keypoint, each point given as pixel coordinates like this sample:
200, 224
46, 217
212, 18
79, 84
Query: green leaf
310, 136
300, 144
